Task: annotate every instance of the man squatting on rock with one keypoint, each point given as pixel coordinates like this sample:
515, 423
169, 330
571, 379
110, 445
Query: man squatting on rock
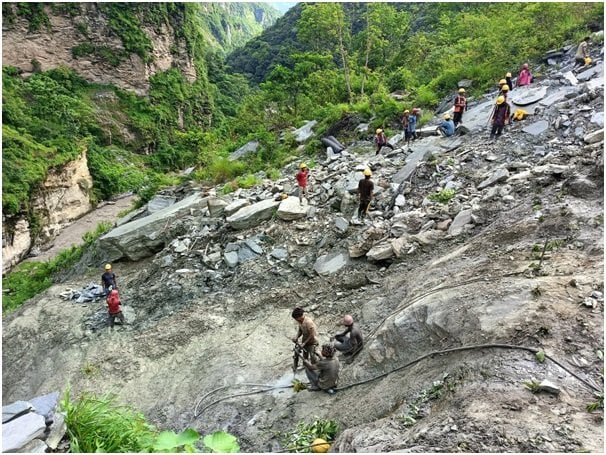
324, 374
307, 333
349, 345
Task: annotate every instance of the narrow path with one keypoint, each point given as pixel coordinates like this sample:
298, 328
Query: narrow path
72, 234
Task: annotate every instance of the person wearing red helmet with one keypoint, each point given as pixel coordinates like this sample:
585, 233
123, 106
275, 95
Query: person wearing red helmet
350, 341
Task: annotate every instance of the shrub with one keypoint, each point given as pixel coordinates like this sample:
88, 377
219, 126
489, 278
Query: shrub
442, 196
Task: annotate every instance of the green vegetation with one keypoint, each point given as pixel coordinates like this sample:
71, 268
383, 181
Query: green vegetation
437, 389
31, 278
301, 438
442, 196
598, 403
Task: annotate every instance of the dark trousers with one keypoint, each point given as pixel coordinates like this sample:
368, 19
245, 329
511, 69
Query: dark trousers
380, 146
112, 318
496, 130
364, 203
457, 118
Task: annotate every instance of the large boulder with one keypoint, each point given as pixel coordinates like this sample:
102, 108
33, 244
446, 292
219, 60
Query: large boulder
247, 148
523, 96
18, 432
252, 215
143, 237
291, 209
235, 206
305, 132
331, 263
216, 207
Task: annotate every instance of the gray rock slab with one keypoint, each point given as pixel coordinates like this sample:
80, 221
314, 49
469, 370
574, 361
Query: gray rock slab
46, 405
421, 150
216, 207
132, 215
352, 182
598, 118
254, 214
536, 128
245, 254
476, 118
247, 148
231, 246
14, 410
557, 96
279, 253
428, 237
341, 224
458, 224
34, 446
234, 206
291, 209
523, 96
550, 387
142, 238
465, 83
400, 200
331, 263
231, 259
305, 132
57, 431
499, 175
254, 246
380, 252
160, 202
590, 73
18, 432
570, 77
594, 136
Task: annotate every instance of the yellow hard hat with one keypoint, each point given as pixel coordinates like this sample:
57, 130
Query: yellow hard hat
461, 90
302, 165
379, 130
508, 75
588, 60
320, 446
406, 111
446, 116
108, 266
502, 81
505, 88
367, 172
500, 99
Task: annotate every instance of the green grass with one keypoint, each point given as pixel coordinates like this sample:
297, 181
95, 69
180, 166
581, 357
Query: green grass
301, 438
442, 196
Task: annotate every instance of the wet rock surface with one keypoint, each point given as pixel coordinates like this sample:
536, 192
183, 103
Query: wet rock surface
509, 255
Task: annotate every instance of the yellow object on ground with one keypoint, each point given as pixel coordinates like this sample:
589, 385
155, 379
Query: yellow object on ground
320, 446
588, 60
520, 114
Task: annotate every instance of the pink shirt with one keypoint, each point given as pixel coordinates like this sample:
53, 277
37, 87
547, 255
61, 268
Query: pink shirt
523, 78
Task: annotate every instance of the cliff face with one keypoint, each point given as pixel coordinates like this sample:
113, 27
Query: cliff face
85, 41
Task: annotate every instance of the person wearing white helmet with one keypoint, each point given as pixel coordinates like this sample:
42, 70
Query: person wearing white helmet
381, 141
108, 279
365, 190
353, 343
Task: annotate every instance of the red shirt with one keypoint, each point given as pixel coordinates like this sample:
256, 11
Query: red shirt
302, 178
113, 302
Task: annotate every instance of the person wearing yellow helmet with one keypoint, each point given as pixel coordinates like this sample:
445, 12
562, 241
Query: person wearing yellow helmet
405, 124
504, 91
365, 190
447, 127
108, 279
460, 105
302, 177
500, 117
381, 141
582, 53
508, 81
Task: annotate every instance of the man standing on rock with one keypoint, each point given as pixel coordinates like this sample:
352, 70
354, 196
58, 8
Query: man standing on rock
324, 374
114, 308
365, 190
108, 279
500, 118
307, 333
349, 345
302, 176
460, 105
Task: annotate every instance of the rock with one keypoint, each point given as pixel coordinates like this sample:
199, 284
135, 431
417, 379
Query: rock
132, 215
331, 141
45, 405
331, 263
536, 128
254, 214
305, 132
160, 202
380, 252
231, 259
352, 182
590, 72
250, 147
18, 432
213, 257
398, 245
580, 187
464, 83
14, 410
291, 209
462, 218
216, 207
341, 224
549, 387
245, 254
595, 136
234, 206
419, 154
550, 169
279, 253
499, 175
598, 118
144, 237
57, 431
523, 96
400, 200
34, 446
254, 246
428, 237
180, 246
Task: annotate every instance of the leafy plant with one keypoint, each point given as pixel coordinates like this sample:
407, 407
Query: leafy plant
540, 356
89, 369
297, 385
221, 442
533, 385
598, 404
169, 441
442, 196
434, 392
301, 438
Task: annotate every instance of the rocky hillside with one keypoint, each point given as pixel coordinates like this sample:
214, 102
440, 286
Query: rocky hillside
477, 255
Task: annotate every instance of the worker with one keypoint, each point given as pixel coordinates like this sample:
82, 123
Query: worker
381, 141
502, 82
504, 91
508, 81
412, 123
108, 280
302, 177
307, 332
500, 117
447, 127
324, 374
365, 190
582, 53
352, 344
460, 105
405, 124
114, 308
524, 78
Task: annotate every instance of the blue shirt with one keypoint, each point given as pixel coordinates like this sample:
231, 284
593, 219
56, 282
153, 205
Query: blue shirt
448, 127
412, 123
